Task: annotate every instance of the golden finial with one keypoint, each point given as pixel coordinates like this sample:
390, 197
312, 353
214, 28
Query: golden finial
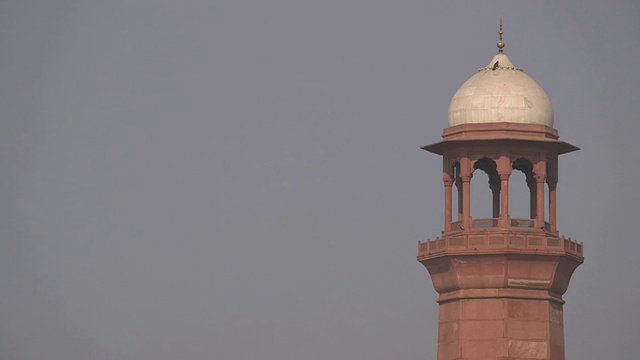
500, 43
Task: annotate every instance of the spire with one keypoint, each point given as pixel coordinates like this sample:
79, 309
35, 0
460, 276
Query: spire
500, 43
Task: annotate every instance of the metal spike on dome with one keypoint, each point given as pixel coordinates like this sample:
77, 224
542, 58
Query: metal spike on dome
500, 43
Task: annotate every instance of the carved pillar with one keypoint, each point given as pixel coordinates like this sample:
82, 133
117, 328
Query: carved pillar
540, 198
459, 189
465, 177
552, 203
533, 197
448, 183
495, 192
552, 181
504, 170
504, 199
466, 201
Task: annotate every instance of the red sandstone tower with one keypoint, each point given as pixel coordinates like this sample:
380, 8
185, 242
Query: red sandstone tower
500, 279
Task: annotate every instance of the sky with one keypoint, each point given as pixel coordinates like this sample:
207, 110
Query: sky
240, 180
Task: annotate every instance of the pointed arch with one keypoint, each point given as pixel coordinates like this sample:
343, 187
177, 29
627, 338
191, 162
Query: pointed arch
491, 201
517, 191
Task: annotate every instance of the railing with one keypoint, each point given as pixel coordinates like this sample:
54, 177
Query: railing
474, 242
523, 223
493, 222
483, 223
455, 226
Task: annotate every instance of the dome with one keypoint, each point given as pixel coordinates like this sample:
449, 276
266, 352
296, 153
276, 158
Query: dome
500, 92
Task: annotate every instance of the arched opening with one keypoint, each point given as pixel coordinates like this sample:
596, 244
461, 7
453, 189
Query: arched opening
480, 196
485, 193
522, 193
519, 198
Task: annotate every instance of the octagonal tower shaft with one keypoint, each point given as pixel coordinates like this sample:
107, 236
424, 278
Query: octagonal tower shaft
500, 279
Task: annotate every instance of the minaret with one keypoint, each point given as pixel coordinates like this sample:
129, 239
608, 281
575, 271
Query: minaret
500, 279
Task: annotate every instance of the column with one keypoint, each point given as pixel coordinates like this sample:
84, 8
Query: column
552, 203
504, 199
466, 201
540, 204
495, 191
448, 183
533, 197
459, 188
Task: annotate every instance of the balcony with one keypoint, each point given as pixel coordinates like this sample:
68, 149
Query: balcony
500, 242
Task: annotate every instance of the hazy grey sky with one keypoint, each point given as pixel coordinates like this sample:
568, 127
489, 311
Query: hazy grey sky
243, 180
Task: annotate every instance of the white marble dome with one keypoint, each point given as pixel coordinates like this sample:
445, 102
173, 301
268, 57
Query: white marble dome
500, 93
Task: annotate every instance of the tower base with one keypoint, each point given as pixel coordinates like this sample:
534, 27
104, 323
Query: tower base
500, 328
501, 300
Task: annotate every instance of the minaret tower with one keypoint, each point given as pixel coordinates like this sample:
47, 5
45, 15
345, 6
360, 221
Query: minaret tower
500, 279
